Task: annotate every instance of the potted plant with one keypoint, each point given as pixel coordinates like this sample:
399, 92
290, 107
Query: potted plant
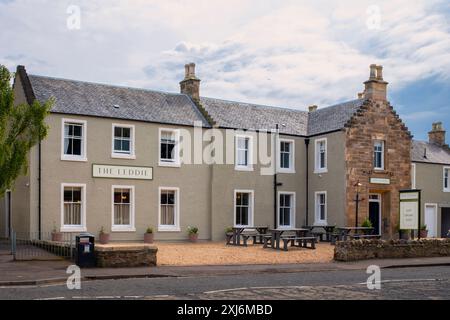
423, 231
148, 235
367, 224
405, 234
56, 235
104, 237
193, 234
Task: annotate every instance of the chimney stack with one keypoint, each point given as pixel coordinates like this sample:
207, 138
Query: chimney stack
437, 135
190, 84
312, 108
375, 87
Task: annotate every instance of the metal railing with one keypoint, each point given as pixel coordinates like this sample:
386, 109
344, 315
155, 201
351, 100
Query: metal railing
42, 246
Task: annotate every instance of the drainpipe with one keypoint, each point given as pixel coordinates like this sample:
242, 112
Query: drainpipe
275, 182
307, 180
39, 190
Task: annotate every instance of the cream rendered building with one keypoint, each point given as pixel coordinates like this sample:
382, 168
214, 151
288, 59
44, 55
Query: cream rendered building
111, 161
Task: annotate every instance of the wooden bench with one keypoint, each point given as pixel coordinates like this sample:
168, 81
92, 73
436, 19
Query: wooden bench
267, 240
302, 242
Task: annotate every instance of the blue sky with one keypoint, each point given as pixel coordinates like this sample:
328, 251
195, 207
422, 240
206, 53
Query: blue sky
291, 53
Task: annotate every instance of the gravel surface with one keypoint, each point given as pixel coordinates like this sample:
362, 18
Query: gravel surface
215, 253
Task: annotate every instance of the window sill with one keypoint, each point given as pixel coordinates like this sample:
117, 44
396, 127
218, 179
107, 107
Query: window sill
282, 170
122, 229
318, 171
73, 229
169, 164
446, 190
168, 229
123, 156
320, 223
78, 159
238, 168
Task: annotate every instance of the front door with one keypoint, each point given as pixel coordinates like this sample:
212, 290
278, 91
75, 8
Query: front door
375, 212
431, 219
445, 229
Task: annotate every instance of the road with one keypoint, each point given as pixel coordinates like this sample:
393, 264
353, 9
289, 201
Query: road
400, 283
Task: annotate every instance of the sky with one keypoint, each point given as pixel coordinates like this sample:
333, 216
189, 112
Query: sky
281, 53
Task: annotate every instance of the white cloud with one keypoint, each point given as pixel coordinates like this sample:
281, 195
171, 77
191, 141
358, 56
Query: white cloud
290, 53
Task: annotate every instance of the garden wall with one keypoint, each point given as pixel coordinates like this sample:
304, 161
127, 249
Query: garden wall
385, 249
123, 256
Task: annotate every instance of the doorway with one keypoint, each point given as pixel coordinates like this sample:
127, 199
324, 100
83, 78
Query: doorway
431, 219
375, 212
445, 225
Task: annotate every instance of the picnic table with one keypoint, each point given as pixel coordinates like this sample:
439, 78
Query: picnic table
276, 235
236, 235
327, 228
346, 232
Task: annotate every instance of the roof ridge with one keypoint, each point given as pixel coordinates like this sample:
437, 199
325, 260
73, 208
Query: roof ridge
256, 104
108, 85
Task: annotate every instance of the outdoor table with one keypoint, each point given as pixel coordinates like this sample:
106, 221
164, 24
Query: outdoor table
276, 235
238, 230
328, 230
344, 232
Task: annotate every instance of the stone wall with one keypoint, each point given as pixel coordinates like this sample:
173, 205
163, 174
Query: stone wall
385, 249
376, 120
124, 256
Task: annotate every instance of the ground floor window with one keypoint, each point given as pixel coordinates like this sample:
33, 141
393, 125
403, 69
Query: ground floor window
321, 207
123, 208
286, 209
73, 210
169, 209
243, 209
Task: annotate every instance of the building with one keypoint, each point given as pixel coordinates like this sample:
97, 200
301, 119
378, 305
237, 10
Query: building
115, 158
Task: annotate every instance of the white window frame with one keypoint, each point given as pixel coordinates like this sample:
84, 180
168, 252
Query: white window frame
170, 228
383, 146
317, 168
291, 168
69, 157
293, 209
251, 207
317, 220
448, 179
249, 166
119, 227
413, 176
120, 155
176, 161
74, 228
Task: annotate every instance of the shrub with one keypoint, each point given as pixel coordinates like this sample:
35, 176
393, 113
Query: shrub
192, 230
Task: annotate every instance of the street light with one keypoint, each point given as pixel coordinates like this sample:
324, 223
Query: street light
357, 200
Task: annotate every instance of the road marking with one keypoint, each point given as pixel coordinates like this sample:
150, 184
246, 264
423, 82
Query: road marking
401, 280
225, 290
55, 298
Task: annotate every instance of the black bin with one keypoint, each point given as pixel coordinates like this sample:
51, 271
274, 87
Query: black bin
85, 244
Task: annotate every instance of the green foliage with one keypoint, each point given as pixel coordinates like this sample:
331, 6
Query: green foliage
192, 230
423, 227
21, 127
228, 229
366, 224
149, 230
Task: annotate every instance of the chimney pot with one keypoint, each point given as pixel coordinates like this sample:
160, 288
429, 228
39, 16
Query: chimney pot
437, 134
379, 72
191, 84
312, 108
375, 87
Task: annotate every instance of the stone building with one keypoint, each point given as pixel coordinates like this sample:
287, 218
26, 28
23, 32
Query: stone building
115, 158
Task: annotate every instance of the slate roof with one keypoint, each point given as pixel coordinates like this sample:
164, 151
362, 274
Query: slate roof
84, 98
239, 115
434, 153
333, 117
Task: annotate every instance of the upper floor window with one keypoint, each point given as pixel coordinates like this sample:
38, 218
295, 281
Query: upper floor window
321, 155
286, 155
446, 179
73, 140
378, 155
123, 141
243, 153
168, 147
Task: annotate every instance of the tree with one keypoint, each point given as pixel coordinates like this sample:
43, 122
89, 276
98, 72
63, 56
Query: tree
21, 127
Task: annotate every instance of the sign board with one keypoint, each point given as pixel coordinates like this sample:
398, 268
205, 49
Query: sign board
380, 181
122, 172
409, 209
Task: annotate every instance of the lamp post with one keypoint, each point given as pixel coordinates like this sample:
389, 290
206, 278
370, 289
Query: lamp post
357, 200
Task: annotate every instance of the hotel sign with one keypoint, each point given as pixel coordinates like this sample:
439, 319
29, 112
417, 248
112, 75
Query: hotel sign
380, 181
409, 210
122, 172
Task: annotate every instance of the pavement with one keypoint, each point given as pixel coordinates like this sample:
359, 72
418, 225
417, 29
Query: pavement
32, 273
